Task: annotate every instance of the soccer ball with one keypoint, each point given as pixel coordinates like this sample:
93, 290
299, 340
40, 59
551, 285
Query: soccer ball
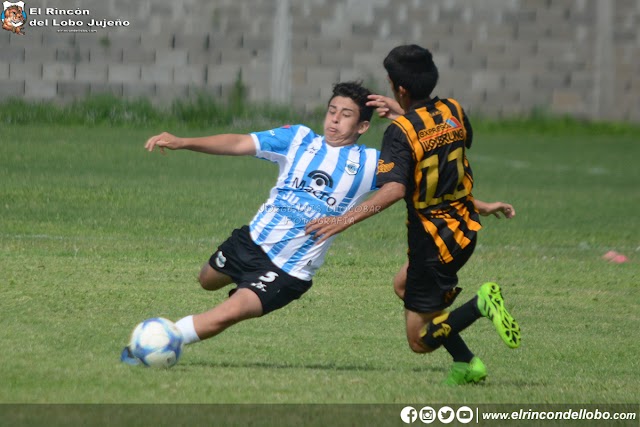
157, 342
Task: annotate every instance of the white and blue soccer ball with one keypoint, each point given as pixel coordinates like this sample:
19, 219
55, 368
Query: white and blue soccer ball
157, 342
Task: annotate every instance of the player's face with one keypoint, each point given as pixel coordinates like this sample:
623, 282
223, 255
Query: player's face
342, 124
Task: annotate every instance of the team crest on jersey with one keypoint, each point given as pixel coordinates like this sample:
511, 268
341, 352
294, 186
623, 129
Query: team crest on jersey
352, 167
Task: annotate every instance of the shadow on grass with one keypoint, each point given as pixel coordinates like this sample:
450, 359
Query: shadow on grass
313, 366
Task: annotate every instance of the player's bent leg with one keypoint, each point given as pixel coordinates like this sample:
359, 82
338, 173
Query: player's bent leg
242, 305
416, 323
400, 281
212, 280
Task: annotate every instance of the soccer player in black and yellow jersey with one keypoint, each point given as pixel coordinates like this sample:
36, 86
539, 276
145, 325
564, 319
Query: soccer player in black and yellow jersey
423, 160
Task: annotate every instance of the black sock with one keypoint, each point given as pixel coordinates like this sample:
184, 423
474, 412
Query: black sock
458, 349
463, 316
447, 325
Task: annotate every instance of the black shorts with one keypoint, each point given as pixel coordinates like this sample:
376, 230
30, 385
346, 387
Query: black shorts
432, 286
249, 267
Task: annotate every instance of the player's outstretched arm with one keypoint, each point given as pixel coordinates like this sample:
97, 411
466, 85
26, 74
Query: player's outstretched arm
387, 108
495, 208
225, 144
325, 227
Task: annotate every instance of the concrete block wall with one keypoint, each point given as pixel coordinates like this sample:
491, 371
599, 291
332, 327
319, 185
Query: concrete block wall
498, 57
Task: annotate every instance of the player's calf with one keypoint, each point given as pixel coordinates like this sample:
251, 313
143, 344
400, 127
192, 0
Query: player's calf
242, 305
415, 326
436, 332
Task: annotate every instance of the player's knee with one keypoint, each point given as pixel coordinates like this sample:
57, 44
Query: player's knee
399, 288
203, 282
210, 280
202, 279
417, 346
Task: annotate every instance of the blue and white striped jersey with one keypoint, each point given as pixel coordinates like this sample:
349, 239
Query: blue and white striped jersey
315, 180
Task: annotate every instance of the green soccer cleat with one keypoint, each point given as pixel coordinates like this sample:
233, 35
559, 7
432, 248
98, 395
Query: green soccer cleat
466, 373
491, 306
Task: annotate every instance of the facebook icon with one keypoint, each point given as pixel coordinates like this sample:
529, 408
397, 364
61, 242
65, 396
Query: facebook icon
408, 414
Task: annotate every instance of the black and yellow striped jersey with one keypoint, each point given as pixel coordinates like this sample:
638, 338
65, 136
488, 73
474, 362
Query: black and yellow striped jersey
426, 151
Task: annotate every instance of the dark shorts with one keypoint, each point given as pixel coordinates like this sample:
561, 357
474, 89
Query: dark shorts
249, 267
432, 286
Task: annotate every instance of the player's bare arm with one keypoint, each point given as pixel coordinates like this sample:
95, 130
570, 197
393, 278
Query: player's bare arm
224, 144
495, 208
324, 228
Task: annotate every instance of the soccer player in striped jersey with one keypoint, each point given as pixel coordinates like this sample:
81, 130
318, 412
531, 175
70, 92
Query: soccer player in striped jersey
423, 160
272, 261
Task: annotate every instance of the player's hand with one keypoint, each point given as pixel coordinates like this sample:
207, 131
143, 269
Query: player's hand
323, 228
387, 108
164, 140
498, 208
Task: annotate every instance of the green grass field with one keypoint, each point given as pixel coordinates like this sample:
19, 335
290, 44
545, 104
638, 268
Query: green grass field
96, 235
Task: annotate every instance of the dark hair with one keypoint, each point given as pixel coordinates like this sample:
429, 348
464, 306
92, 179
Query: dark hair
412, 67
358, 94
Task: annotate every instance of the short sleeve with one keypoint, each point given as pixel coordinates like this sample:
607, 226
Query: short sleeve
396, 158
274, 141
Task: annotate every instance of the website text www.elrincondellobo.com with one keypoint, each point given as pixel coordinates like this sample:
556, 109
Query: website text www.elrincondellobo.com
501, 414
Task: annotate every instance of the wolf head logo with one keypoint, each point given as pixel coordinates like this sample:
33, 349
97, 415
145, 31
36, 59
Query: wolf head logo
14, 17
